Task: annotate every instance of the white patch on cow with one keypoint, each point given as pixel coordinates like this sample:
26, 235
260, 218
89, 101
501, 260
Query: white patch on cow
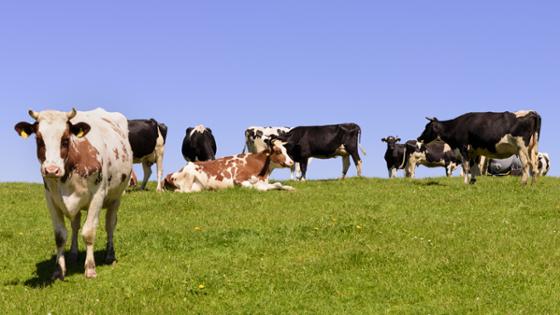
198, 128
446, 148
522, 113
51, 127
544, 160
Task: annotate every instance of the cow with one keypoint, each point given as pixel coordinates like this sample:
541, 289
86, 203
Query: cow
199, 144
256, 138
147, 139
495, 135
250, 170
394, 155
544, 163
324, 142
513, 166
85, 161
434, 154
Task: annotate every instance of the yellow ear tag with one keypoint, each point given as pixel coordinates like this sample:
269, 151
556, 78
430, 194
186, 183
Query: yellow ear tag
23, 134
80, 134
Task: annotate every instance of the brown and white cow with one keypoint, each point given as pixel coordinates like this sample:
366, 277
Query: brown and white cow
86, 162
249, 170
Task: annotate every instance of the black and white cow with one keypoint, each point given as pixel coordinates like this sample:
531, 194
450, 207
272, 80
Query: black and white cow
147, 139
495, 135
256, 139
544, 163
394, 155
199, 144
324, 142
434, 154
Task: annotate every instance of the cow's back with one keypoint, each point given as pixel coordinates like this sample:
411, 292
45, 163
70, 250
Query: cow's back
143, 135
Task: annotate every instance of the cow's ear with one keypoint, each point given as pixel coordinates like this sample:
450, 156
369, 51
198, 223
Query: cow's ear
384, 140
398, 139
431, 119
209, 130
24, 129
188, 131
80, 129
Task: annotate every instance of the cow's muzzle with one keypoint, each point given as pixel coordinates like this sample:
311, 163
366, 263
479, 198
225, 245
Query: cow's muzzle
169, 183
52, 171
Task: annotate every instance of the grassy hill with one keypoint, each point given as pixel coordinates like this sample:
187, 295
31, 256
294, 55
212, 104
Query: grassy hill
353, 246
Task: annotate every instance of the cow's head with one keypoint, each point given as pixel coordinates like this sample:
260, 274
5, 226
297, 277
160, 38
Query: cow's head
278, 154
391, 141
431, 131
53, 132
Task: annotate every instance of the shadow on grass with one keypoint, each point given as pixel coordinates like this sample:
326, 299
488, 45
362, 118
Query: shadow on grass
428, 183
43, 275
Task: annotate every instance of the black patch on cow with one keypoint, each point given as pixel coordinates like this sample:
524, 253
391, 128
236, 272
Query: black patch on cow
143, 134
59, 239
123, 178
99, 178
110, 179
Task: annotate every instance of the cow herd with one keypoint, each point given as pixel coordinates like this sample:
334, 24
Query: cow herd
86, 160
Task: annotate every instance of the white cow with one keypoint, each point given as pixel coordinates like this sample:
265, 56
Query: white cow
86, 162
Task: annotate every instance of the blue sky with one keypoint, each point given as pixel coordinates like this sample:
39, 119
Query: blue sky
229, 64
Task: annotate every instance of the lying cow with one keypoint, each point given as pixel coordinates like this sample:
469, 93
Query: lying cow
199, 144
147, 139
434, 154
86, 161
513, 166
394, 155
324, 142
256, 141
495, 135
250, 170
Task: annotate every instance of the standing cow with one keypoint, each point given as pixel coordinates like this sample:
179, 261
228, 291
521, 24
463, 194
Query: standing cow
324, 142
199, 144
86, 161
434, 154
147, 139
395, 156
495, 135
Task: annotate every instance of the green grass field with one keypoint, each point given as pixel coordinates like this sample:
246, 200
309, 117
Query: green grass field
428, 246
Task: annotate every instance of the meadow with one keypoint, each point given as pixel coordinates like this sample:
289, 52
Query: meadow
358, 246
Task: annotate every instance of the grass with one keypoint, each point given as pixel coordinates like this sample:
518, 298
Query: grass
355, 246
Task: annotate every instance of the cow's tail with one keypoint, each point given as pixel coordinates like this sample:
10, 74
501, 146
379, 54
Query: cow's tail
244, 149
403, 159
360, 141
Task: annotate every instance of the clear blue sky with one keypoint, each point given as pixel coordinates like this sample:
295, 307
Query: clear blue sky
229, 64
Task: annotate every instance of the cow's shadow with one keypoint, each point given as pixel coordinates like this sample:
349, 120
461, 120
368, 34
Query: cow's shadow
43, 275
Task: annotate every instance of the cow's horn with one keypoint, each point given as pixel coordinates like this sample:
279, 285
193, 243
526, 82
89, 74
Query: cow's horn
72, 113
33, 114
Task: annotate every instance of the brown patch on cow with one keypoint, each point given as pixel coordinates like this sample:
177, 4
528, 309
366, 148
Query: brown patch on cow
116, 151
99, 178
255, 165
83, 158
41, 149
123, 178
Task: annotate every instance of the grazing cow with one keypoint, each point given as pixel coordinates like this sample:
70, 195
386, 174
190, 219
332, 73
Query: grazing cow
495, 135
86, 161
324, 142
394, 155
249, 170
256, 138
199, 144
434, 154
147, 139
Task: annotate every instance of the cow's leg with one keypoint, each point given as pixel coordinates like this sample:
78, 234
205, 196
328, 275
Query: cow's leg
60, 235
89, 231
147, 167
525, 162
75, 228
110, 224
295, 171
392, 172
474, 170
449, 169
345, 165
534, 158
357, 160
303, 167
159, 166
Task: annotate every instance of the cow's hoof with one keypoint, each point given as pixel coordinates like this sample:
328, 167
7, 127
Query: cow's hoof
58, 274
473, 181
90, 273
73, 258
109, 259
